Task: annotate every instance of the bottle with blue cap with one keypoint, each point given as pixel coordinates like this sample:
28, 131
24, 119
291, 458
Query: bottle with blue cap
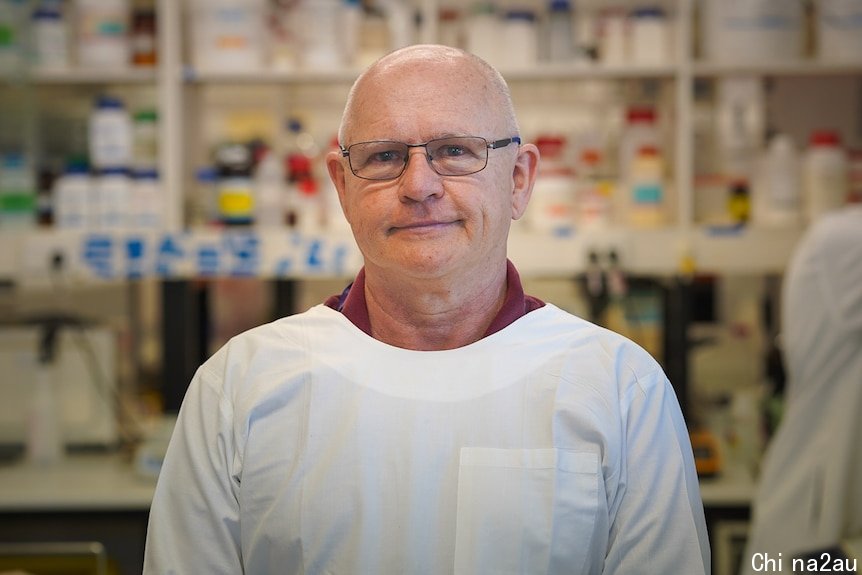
110, 133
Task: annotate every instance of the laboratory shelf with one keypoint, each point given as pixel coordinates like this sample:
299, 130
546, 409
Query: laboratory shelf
334, 76
705, 69
99, 256
99, 76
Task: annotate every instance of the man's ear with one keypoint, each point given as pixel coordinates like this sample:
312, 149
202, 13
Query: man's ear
335, 167
523, 178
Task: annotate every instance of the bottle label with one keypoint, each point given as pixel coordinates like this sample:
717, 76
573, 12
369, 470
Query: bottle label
235, 203
17, 203
647, 194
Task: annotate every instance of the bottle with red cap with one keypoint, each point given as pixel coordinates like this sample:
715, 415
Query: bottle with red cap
552, 207
640, 130
825, 171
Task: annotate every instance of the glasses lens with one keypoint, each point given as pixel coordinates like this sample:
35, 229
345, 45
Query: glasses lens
458, 156
378, 160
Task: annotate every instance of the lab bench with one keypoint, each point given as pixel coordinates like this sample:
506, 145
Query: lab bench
93, 497
100, 497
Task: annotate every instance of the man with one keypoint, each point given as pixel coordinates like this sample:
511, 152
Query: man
433, 418
809, 497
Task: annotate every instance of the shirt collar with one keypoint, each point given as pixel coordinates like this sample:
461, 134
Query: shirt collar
351, 302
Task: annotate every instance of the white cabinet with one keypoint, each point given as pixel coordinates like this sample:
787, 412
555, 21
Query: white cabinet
192, 102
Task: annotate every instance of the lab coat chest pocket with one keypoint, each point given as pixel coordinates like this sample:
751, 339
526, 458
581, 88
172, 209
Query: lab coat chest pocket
527, 511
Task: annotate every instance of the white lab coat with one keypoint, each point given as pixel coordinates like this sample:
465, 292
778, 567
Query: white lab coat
551, 446
810, 488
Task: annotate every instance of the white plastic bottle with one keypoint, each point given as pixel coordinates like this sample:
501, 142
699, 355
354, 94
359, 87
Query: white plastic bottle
228, 35
399, 18
553, 208
484, 27
17, 192
350, 23
560, 32
110, 134
640, 130
71, 198
649, 37
763, 31
113, 196
50, 37
520, 40
839, 30
147, 203
779, 199
103, 37
320, 27
825, 174
145, 139
269, 191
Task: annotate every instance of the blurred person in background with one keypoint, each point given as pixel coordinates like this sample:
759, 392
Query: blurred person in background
809, 496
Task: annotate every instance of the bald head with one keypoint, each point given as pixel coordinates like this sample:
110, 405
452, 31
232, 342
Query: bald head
431, 65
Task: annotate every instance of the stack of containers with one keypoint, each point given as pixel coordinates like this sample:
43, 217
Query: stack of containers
764, 31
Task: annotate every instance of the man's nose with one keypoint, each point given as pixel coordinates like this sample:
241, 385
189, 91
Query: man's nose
419, 181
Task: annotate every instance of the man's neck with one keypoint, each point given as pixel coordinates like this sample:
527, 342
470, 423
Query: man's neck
435, 314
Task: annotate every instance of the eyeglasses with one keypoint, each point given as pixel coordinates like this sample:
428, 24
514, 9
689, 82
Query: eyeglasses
455, 156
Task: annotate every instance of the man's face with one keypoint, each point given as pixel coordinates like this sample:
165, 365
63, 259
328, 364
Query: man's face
424, 224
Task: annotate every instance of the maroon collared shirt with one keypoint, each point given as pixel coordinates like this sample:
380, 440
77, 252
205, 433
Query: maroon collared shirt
351, 302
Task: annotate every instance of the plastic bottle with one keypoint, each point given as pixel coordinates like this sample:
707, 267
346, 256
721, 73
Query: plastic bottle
399, 18
612, 41
103, 38
350, 23
270, 192
50, 37
113, 188
761, 31
825, 173
145, 136
646, 184
283, 30
235, 186
72, 197
147, 203
17, 192
560, 38
144, 43
552, 207
640, 130
520, 40
483, 33
779, 202
649, 34
110, 134
228, 35
839, 30
594, 191
320, 25
13, 31
739, 202
204, 201
451, 32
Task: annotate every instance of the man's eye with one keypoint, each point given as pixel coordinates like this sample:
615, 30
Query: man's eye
386, 157
451, 151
